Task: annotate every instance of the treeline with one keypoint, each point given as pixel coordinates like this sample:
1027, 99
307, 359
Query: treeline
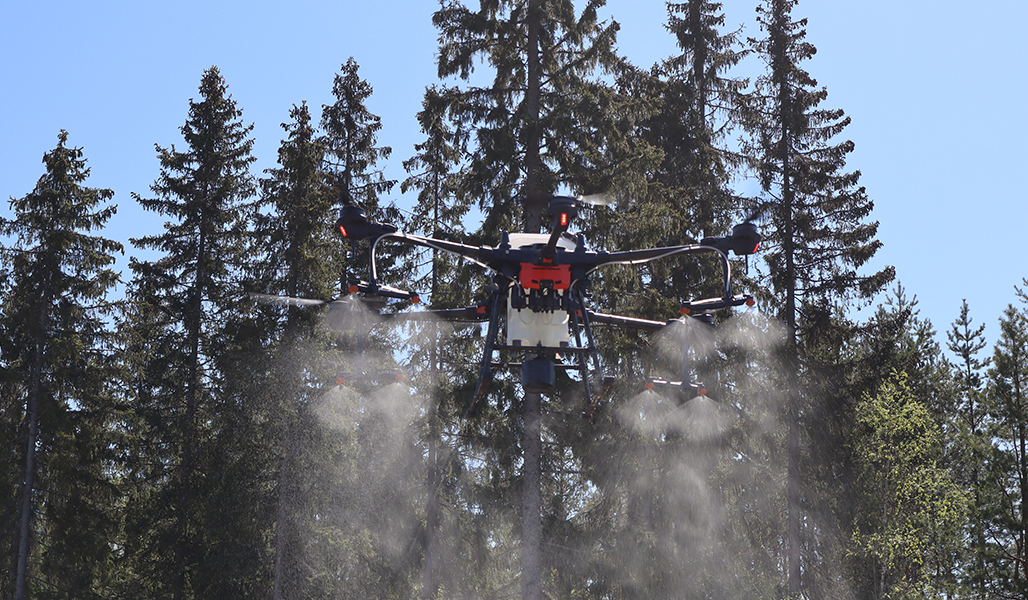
184, 441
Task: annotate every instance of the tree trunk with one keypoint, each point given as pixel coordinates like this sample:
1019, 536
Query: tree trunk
193, 325
531, 519
789, 250
535, 204
30, 473
32, 408
535, 201
281, 511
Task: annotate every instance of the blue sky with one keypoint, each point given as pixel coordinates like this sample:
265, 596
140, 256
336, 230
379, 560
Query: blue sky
936, 91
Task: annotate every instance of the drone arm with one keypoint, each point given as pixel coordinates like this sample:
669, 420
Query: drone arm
636, 257
475, 254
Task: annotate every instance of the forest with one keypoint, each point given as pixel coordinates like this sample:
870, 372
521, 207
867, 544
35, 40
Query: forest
166, 435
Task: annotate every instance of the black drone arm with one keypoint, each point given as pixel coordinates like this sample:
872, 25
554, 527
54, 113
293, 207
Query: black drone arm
476, 254
637, 257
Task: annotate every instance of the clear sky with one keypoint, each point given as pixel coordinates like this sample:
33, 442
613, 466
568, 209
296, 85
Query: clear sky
936, 90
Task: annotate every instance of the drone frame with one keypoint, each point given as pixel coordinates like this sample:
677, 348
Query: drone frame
547, 274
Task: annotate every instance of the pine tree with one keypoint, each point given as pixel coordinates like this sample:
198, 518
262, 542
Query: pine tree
970, 427
1006, 468
687, 104
181, 302
56, 352
817, 237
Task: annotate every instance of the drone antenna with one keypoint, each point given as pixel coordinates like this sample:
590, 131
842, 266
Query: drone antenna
561, 211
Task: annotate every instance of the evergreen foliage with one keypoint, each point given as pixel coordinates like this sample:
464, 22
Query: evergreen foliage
350, 135
59, 415
194, 443
178, 333
817, 238
1005, 500
971, 443
544, 120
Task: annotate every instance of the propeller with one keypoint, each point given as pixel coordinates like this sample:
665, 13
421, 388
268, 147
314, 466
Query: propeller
289, 300
600, 199
343, 313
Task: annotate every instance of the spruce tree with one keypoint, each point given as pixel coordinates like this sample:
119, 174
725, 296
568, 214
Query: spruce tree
297, 239
352, 157
368, 495
181, 302
350, 133
695, 99
544, 120
688, 103
58, 401
299, 258
434, 365
816, 238
698, 113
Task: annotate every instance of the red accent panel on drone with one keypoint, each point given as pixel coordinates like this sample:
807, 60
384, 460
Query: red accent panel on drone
533, 276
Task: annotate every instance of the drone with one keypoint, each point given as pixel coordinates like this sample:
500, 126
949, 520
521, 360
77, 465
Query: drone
536, 308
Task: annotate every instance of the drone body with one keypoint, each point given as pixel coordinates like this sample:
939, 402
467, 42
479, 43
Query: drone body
536, 311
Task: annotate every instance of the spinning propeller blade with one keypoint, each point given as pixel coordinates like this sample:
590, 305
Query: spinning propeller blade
601, 199
287, 300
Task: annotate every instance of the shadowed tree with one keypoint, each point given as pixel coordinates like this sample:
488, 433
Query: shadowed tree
541, 120
182, 301
58, 401
817, 237
350, 137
